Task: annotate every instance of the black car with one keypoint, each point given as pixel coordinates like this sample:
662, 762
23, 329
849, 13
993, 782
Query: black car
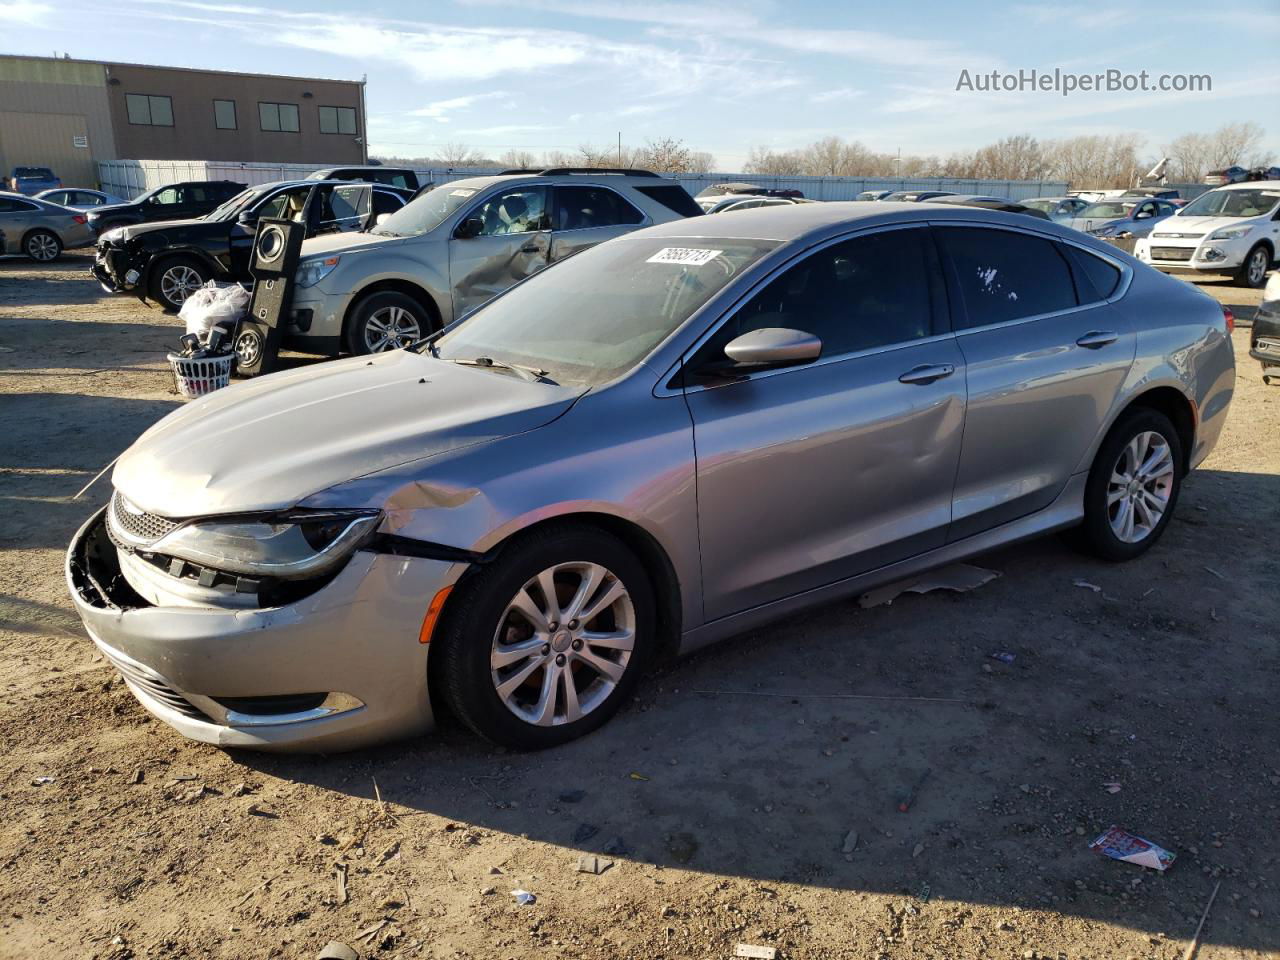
401, 177
1264, 338
989, 203
174, 201
167, 262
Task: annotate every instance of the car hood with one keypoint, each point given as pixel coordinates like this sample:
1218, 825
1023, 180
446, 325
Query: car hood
1202, 225
160, 226
340, 243
270, 442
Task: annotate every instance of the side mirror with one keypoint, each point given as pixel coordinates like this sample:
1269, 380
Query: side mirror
381, 219
1144, 215
247, 217
773, 347
469, 228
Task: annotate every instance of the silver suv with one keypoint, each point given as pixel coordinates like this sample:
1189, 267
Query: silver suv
457, 246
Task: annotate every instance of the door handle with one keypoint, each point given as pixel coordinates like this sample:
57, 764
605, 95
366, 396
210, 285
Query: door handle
529, 248
1097, 338
927, 373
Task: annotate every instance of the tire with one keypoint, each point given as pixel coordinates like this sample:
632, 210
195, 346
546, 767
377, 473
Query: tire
471, 655
42, 246
1102, 532
386, 321
173, 279
1253, 271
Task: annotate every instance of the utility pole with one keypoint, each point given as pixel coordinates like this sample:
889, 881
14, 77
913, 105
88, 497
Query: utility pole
619, 148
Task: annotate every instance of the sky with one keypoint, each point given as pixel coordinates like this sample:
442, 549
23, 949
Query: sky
552, 74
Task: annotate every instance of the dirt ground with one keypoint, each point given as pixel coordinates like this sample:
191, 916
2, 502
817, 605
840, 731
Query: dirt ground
723, 795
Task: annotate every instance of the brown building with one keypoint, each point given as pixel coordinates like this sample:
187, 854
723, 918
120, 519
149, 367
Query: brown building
69, 114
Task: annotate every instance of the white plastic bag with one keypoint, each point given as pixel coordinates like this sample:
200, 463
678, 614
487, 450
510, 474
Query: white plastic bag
214, 303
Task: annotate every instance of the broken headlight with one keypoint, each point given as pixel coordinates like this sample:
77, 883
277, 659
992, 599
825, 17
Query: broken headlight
289, 546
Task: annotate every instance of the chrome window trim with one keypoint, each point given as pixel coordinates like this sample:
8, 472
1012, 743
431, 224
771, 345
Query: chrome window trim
664, 390
645, 221
1126, 275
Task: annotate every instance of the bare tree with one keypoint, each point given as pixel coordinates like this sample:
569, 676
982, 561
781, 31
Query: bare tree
701, 162
1235, 143
460, 155
762, 160
518, 160
667, 155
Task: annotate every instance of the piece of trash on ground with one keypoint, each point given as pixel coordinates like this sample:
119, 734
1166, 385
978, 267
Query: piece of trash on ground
850, 842
925, 892
41, 781
335, 950
590, 863
1004, 656
638, 776
906, 802
1087, 585
524, 898
958, 577
1112, 787
755, 951
1122, 845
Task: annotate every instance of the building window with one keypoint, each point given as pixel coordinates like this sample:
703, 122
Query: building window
338, 120
149, 111
278, 117
224, 114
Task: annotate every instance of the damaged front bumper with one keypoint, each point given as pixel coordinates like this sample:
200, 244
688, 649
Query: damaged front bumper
337, 669
114, 269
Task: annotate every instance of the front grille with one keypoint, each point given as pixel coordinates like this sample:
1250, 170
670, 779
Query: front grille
134, 525
152, 685
1172, 253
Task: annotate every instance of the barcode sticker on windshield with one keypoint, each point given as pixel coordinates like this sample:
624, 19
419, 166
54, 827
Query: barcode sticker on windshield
461, 192
688, 256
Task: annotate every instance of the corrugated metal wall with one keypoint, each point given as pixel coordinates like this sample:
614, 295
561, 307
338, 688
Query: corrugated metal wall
131, 177
54, 115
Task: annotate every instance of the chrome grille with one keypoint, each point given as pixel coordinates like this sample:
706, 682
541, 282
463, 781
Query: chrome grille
138, 527
1172, 253
151, 685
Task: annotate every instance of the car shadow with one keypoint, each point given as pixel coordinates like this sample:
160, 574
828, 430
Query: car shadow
759, 757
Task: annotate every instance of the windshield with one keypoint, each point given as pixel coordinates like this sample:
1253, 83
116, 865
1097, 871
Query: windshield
1232, 203
33, 173
425, 212
229, 208
1108, 208
599, 313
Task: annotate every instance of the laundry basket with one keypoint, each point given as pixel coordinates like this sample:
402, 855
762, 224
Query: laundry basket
196, 376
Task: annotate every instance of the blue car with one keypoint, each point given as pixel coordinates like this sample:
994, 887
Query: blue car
32, 180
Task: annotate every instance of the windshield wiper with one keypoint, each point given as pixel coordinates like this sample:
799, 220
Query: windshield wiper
531, 374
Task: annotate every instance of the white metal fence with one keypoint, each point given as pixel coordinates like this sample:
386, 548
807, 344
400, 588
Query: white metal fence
128, 178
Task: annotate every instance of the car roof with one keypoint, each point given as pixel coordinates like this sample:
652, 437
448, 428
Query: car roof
594, 179
813, 221
1248, 185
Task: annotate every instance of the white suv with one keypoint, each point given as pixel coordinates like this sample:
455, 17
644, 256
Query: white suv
457, 246
1233, 229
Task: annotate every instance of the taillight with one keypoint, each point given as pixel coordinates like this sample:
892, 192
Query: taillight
80, 218
1230, 317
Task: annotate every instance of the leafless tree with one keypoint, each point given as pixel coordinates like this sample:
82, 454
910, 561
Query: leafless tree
666, 155
518, 160
762, 160
460, 155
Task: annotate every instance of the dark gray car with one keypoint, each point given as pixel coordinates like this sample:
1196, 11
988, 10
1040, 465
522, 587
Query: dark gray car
39, 229
515, 517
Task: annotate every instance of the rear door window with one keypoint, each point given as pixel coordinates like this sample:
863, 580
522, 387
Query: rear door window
1004, 275
581, 208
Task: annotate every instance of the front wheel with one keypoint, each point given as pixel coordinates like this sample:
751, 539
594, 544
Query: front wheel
1133, 486
1253, 272
42, 246
386, 321
173, 280
545, 644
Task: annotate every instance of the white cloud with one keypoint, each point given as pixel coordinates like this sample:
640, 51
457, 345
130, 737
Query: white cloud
837, 94
440, 109
640, 110
505, 129
25, 12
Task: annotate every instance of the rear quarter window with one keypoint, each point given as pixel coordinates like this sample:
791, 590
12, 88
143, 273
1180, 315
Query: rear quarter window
1004, 275
1095, 278
674, 197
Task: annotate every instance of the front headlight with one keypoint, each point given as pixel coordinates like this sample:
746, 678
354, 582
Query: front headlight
311, 272
289, 546
1229, 233
114, 234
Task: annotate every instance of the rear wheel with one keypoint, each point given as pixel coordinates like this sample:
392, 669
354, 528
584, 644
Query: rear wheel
1133, 486
545, 644
175, 279
1253, 272
386, 321
42, 246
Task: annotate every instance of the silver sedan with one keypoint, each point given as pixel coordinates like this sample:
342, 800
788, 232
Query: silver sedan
40, 229
661, 442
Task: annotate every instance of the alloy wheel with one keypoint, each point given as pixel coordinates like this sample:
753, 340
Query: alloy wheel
563, 644
1140, 487
179, 282
42, 247
390, 328
1258, 266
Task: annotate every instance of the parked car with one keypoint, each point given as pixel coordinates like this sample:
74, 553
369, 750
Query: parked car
1158, 193
174, 201
459, 245
716, 193
1232, 174
1264, 338
1264, 173
1122, 218
739, 202
169, 261
990, 203
1057, 209
402, 177
1234, 229
873, 194
916, 196
512, 519
39, 229
31, 180
79, 198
